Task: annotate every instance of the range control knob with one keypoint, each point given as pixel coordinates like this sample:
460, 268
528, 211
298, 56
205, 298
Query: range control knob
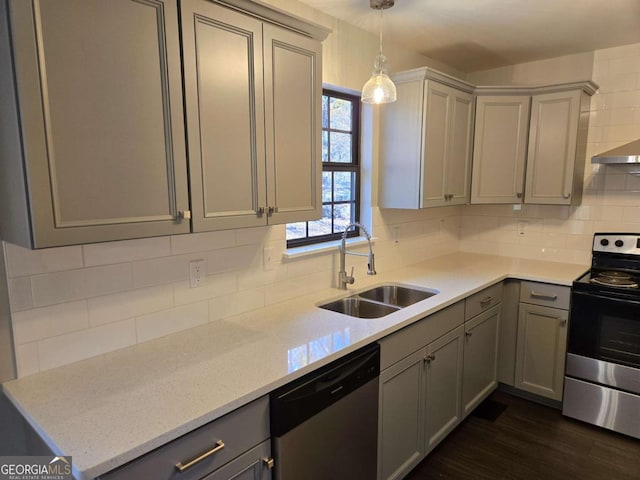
619, 243
604, 242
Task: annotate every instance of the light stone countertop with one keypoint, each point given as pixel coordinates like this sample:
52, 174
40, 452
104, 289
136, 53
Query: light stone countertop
108, 410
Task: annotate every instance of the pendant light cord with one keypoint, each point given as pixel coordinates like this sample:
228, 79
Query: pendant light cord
381, 10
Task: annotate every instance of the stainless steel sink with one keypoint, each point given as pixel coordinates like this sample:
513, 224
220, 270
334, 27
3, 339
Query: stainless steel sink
378, 301
360, 308
396, 295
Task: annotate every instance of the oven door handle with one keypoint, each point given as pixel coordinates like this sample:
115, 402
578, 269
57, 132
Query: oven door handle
609, 297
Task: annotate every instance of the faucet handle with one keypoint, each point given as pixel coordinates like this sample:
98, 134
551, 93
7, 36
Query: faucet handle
351, 279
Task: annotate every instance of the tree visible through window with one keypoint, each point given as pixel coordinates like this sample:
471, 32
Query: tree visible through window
340, 172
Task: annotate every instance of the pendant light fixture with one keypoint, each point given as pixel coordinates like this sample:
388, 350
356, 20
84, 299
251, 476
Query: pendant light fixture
379, 88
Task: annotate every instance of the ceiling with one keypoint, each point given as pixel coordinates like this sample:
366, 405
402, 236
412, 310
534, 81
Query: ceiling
472, 35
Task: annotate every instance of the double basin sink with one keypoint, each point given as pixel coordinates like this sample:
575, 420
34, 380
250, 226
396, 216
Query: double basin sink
378, 301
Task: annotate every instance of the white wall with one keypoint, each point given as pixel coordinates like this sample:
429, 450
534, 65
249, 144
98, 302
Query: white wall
612, 195
76, 302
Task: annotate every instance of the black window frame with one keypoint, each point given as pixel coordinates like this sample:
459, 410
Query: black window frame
328, 166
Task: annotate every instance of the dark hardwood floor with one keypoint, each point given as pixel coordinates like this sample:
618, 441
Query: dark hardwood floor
530, 441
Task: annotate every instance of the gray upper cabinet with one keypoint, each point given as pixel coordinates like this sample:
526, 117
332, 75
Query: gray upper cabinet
426, 142
530, 144
93, 145
293, 96
92, 127
253, 93
222, 52
557, 143
499, 149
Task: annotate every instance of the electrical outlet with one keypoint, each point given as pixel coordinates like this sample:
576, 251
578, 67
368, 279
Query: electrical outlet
396, 235
522, 228
196, 273
268, 254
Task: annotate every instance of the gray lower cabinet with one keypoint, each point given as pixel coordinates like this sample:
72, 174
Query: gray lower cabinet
400, 425
443, 387
252, 465
480, 370
420, 393
235, 446
542, 339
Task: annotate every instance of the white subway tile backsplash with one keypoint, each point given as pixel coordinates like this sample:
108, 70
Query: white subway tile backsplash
236, 258
108, 279
163, 270
201, 242
212, 286
174, 320
22, 262
120, 306
27, 362
40, 323
20, 293
72, 347
235, 304
60, 287
126, 251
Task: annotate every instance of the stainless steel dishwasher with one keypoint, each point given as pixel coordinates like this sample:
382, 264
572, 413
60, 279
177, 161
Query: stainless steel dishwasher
324, 426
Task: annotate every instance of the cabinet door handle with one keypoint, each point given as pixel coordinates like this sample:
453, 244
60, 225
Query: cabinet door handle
566, 196
260, 211
268, 461
563, 322
543, 296
184, 214
429, 358
181, 467
468, 334
271, 210
486, 301
519, 194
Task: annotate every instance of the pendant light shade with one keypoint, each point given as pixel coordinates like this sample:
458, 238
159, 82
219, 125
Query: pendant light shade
379, 88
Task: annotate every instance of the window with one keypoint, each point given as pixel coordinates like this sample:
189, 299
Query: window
340, 173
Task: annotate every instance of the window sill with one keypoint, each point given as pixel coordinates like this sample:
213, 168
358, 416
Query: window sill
318, 248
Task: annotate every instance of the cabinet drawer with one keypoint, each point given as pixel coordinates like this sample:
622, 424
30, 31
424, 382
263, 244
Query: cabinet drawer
545, 294
483, 300
239, 430
397, 346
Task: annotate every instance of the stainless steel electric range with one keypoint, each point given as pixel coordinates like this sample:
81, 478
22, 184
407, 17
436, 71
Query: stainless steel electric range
602, 378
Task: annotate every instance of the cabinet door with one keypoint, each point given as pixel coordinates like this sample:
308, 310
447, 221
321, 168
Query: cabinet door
400, 431
252, 465
222, 53
435, 145
401, 147
443, 387
541, 350
479, 377
499, 149
458, 173
102, 119
293, 96
552, 147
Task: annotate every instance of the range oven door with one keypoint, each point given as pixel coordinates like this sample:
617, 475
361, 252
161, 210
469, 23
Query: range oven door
602, 378
605, 327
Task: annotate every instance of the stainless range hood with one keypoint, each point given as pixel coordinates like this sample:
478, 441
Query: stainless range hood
627, 153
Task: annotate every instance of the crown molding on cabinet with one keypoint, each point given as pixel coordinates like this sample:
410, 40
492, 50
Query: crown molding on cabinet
277, 16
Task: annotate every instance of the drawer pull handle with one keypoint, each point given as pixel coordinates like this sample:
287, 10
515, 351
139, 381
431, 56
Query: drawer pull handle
468, 334
268, 461
429, 358
183, 466
543, 296
486, 301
